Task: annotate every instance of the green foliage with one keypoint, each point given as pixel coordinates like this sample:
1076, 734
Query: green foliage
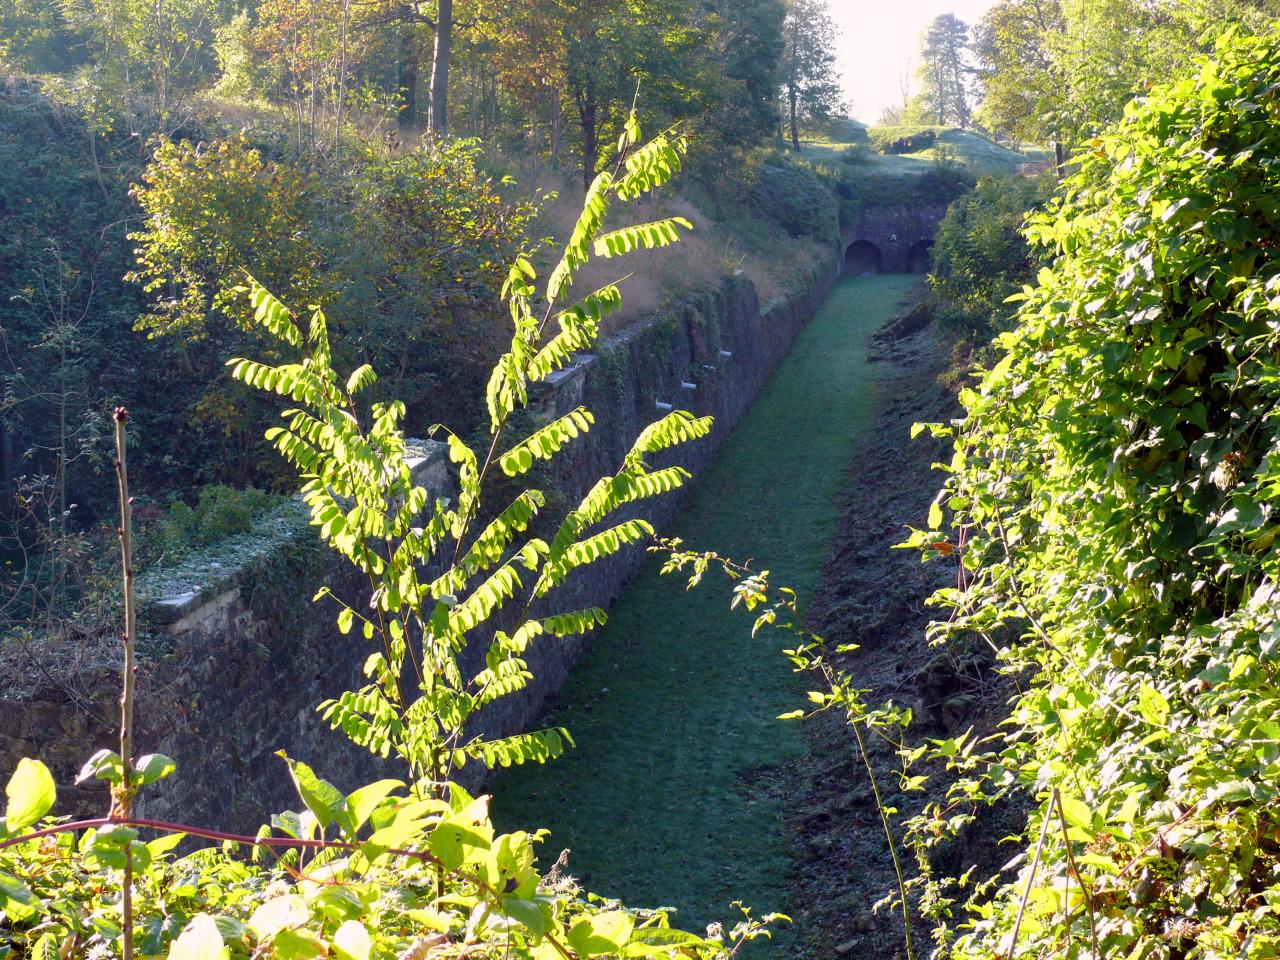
402, 250
1111, 498
147, 56
810, 87
796, 199
210, 211
61, 303
858, 182
641, 732
980, 257
1062, 71
372, 875
403, 243
362, 496
391, 869
574, 67
30, 794
945, 73
36, 37
855, 155
836, 129
969, 148
220, 512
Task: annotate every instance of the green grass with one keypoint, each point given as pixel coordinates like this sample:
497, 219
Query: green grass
969, 149
675, 795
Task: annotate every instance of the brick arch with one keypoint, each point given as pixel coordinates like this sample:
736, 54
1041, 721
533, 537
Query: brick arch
901, 232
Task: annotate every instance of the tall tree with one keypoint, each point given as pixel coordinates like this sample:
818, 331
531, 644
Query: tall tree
596, 54
810, 88
308, 51
1061, 70
158, 49
1014, 47
945, 72
572, 68
745, 50
36, 36
531, 59
442, 53
443, 18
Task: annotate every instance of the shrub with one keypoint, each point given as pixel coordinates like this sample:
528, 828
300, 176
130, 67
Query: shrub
220, 512
836, 130
856, 155
394, 868
980, 257
402, 249
898, 140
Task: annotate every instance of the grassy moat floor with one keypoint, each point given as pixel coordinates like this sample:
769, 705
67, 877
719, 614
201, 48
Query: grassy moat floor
673, 796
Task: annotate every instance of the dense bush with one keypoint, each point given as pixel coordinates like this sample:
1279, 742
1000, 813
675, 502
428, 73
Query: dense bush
377, 239
980, 256
855, 156
836, 130
220, 512
1113, 495
63, 309
402, 249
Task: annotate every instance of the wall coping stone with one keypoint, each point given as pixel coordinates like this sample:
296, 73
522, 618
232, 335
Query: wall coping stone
176, 603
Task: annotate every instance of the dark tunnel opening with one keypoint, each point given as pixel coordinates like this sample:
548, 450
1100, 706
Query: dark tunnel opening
920, 257
863, 256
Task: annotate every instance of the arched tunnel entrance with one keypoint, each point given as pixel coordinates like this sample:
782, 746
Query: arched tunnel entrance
863, 256
920, 257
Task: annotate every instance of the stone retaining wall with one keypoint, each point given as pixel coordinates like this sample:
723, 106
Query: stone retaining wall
237, 662
895, 231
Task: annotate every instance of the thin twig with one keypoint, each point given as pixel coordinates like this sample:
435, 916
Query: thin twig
122, 802
1073, 869
1031, 877
888, 833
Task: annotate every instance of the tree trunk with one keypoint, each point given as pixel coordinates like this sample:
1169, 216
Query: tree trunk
590, 142
793, 96
554, 128
7, 470
440, 69
795, 123
1059, 158
408, 78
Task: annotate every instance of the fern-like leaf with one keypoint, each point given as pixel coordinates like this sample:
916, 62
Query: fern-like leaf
272, 315
644, 236
545, 443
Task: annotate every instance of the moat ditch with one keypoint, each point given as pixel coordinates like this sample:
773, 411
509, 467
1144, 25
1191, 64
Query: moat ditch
684, 790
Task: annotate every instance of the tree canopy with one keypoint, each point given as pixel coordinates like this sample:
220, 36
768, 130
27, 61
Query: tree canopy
810, 88
945, 72
1062, 70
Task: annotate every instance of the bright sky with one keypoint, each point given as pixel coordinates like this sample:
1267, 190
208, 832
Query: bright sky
880, 42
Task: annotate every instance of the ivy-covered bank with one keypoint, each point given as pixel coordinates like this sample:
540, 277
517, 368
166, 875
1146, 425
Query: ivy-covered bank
1113, 504
240, 627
